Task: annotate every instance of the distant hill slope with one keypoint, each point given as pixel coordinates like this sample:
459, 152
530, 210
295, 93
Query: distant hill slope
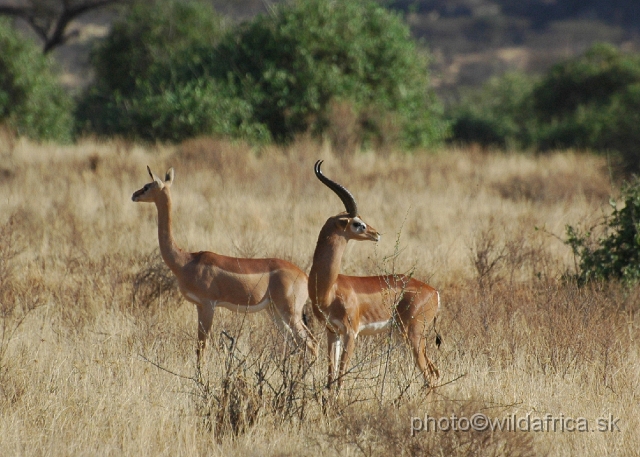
539, 13
470, 40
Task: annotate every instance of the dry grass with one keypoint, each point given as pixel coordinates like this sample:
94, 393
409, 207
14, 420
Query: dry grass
97, 351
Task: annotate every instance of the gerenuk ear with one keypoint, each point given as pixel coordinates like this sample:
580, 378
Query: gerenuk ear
155, 179
168, 178
343, 223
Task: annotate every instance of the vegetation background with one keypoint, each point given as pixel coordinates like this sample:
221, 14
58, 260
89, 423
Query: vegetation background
471, 40
538, 317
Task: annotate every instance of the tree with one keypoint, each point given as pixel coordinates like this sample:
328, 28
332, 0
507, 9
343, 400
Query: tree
293, 64
592, 102
172, 72
499, 114
32, 102
50, 18
149, 79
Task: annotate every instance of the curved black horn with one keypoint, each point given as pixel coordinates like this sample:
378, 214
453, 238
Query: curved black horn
346, 197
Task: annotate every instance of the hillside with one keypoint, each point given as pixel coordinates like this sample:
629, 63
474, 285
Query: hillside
469, 40
474, 40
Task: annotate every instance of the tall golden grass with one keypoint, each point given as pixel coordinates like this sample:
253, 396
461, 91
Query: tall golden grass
97, 349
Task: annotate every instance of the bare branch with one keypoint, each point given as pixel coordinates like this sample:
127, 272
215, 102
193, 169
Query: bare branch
50, 19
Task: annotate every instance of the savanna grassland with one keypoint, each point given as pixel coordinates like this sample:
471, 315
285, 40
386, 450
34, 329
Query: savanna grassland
97, 348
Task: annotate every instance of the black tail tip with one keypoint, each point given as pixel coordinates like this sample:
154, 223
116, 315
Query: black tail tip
438, 340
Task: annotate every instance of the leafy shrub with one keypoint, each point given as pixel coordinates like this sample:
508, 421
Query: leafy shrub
590, 102
153, 44
293, 65
616, 255
617, 126
499, 114
271, 78
32, 102
587, 80
150, 84
178, 112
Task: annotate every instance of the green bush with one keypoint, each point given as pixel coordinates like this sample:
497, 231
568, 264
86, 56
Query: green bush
32, 102
177, 112
155, 44
584, 102
590, 81
150, 82
293, 64
617, 127
590, 102
271, 78
499, 114
615, 255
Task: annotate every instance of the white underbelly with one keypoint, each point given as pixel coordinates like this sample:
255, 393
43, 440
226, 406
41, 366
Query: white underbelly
337, 326
230, 306
371, 328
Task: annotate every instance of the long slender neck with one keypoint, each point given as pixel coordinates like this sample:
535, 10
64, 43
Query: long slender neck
327, 260
173, 256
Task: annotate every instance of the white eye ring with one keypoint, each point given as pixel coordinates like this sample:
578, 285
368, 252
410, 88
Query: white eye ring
359, 226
